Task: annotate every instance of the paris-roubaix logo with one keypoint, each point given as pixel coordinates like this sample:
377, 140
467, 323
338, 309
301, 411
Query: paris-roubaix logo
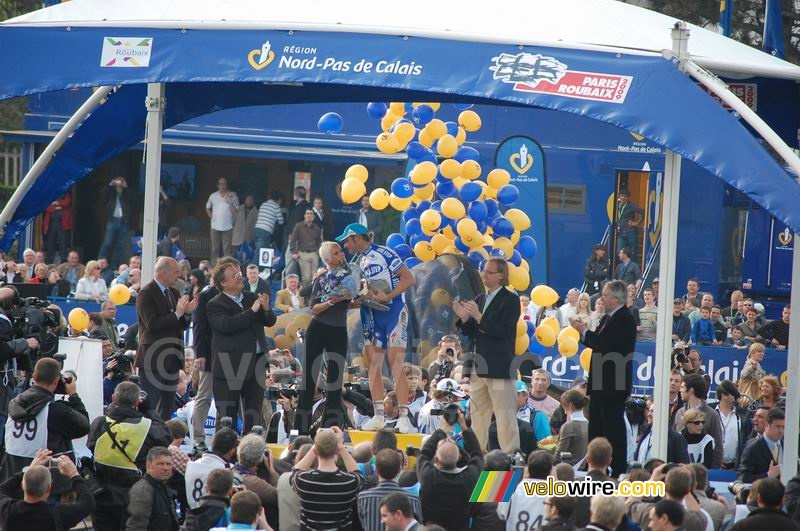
542, 74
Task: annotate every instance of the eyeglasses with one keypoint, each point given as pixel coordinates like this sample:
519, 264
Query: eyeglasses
546, 503
698, 422
490, 272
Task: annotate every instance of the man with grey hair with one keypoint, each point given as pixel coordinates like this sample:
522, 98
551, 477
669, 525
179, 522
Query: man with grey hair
33, 511
255, 472
607, 511
610, 372
569, 308
163, 314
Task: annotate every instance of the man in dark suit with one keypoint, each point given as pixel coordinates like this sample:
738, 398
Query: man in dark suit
762, 457
491, 322
237, 319
256, 284
163, 315
165, 245
610, 374
297, 211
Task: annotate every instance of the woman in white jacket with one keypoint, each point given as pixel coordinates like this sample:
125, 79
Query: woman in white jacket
91, 286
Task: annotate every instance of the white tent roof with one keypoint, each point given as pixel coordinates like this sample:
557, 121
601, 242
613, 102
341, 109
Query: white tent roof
584, 24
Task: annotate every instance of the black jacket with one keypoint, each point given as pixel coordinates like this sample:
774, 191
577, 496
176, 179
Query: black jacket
158, 435
745, 422
18, 514
212, 512
445, 495
66, 420
755, 461
295, 216
677, 451
559, 524
201, 332
791, 498
494, 336
594, 273
110, 199
767, 518
613, 342
151, 506
165, 247
682, 327
236, 331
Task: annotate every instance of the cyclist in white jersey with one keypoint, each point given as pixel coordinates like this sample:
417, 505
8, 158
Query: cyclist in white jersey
386, 332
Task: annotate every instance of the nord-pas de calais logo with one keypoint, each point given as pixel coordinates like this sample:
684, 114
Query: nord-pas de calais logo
261, 58
547, 75
126, 52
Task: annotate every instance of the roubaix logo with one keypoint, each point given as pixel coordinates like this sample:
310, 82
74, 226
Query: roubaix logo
547, 75
126, 52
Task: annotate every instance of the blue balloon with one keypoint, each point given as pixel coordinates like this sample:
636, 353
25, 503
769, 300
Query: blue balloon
437, 206
526, 247
482, 265
497, 252
535, 347
428, 156
477, 211
413, 226
482, 226
446, 189
516, 259
508, 195
460, 245
463, 106
531, 328
403, 251
422, 206
475, 257
408, 106
470, 192
492, 207
502, 227
394, 240
452, 128
376, 109
467, 153
330, 122
412, 261
416, 238
415, 150
410, 213
423, 114
402, 188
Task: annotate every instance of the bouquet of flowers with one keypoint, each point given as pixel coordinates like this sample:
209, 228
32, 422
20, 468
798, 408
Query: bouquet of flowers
549, 444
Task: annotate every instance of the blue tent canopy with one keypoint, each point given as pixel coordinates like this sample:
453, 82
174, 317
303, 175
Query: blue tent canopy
209, 70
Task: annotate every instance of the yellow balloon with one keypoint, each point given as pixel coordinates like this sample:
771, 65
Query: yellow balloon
448, 233
399, 203
453, 208
524, 265
466, 227
405, 132
398, 108
544, 295
461, 136
388, 120
424, 251
439, 242
436, 128
357, 171
505, 245
469, 120
586, 359
481, 251
440, 296
302, 321
119, 294
518, 218
423, 173
460, 181
473, 240
425, 138
282, 341
447, 146
78, 319
425, 192
470, 169
545, 335
451, 249
567, 347
515, 238
487, 239
387, 143
519, 279
569, 332
352, 190
522, 328
450, 169
498, 178
553, 323
379, 199
291, 330
521, 344
430, 219
490, 192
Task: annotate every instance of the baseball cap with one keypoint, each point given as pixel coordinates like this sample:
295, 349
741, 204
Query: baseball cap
521, 387
351, 230
448, 385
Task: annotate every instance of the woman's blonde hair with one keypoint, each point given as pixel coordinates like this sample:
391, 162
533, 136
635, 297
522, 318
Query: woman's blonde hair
585, 297
91, 265
755, 347
691, 415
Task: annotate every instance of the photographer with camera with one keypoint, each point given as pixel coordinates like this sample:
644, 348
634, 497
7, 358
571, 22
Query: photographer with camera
450, 352
33, 510
37, 420
11, 348
117, 368
282, 421
120, 441
445, 487
447, 392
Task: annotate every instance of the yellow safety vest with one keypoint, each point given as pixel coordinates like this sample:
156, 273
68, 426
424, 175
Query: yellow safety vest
129, 436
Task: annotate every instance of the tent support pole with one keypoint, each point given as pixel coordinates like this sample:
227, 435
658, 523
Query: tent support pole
717, 87
44, 159
155, 104
791, 438
666, 273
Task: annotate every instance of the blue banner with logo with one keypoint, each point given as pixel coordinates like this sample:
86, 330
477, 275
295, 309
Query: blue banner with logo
523, 158
210, 70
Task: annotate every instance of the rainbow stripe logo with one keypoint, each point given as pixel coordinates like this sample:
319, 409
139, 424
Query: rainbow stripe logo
496, 486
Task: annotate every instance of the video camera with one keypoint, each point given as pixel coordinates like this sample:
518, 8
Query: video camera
124, 366
680, 357
274, 393
635, 408
449, 413
357, 383
67, 377
30, 317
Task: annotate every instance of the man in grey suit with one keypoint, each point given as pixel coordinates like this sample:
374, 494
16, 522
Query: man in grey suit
396, 513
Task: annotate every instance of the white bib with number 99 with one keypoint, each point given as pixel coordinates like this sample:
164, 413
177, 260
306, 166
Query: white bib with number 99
25, 437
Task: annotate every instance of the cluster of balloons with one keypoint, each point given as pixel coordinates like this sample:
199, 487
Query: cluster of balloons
78, 318
284, 331
549, 331
446, 207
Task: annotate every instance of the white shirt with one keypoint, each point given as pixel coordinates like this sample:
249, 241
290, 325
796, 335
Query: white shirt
567, 311
221, 214
730, 435
88, 288
489, 298
521, 503
362, 218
